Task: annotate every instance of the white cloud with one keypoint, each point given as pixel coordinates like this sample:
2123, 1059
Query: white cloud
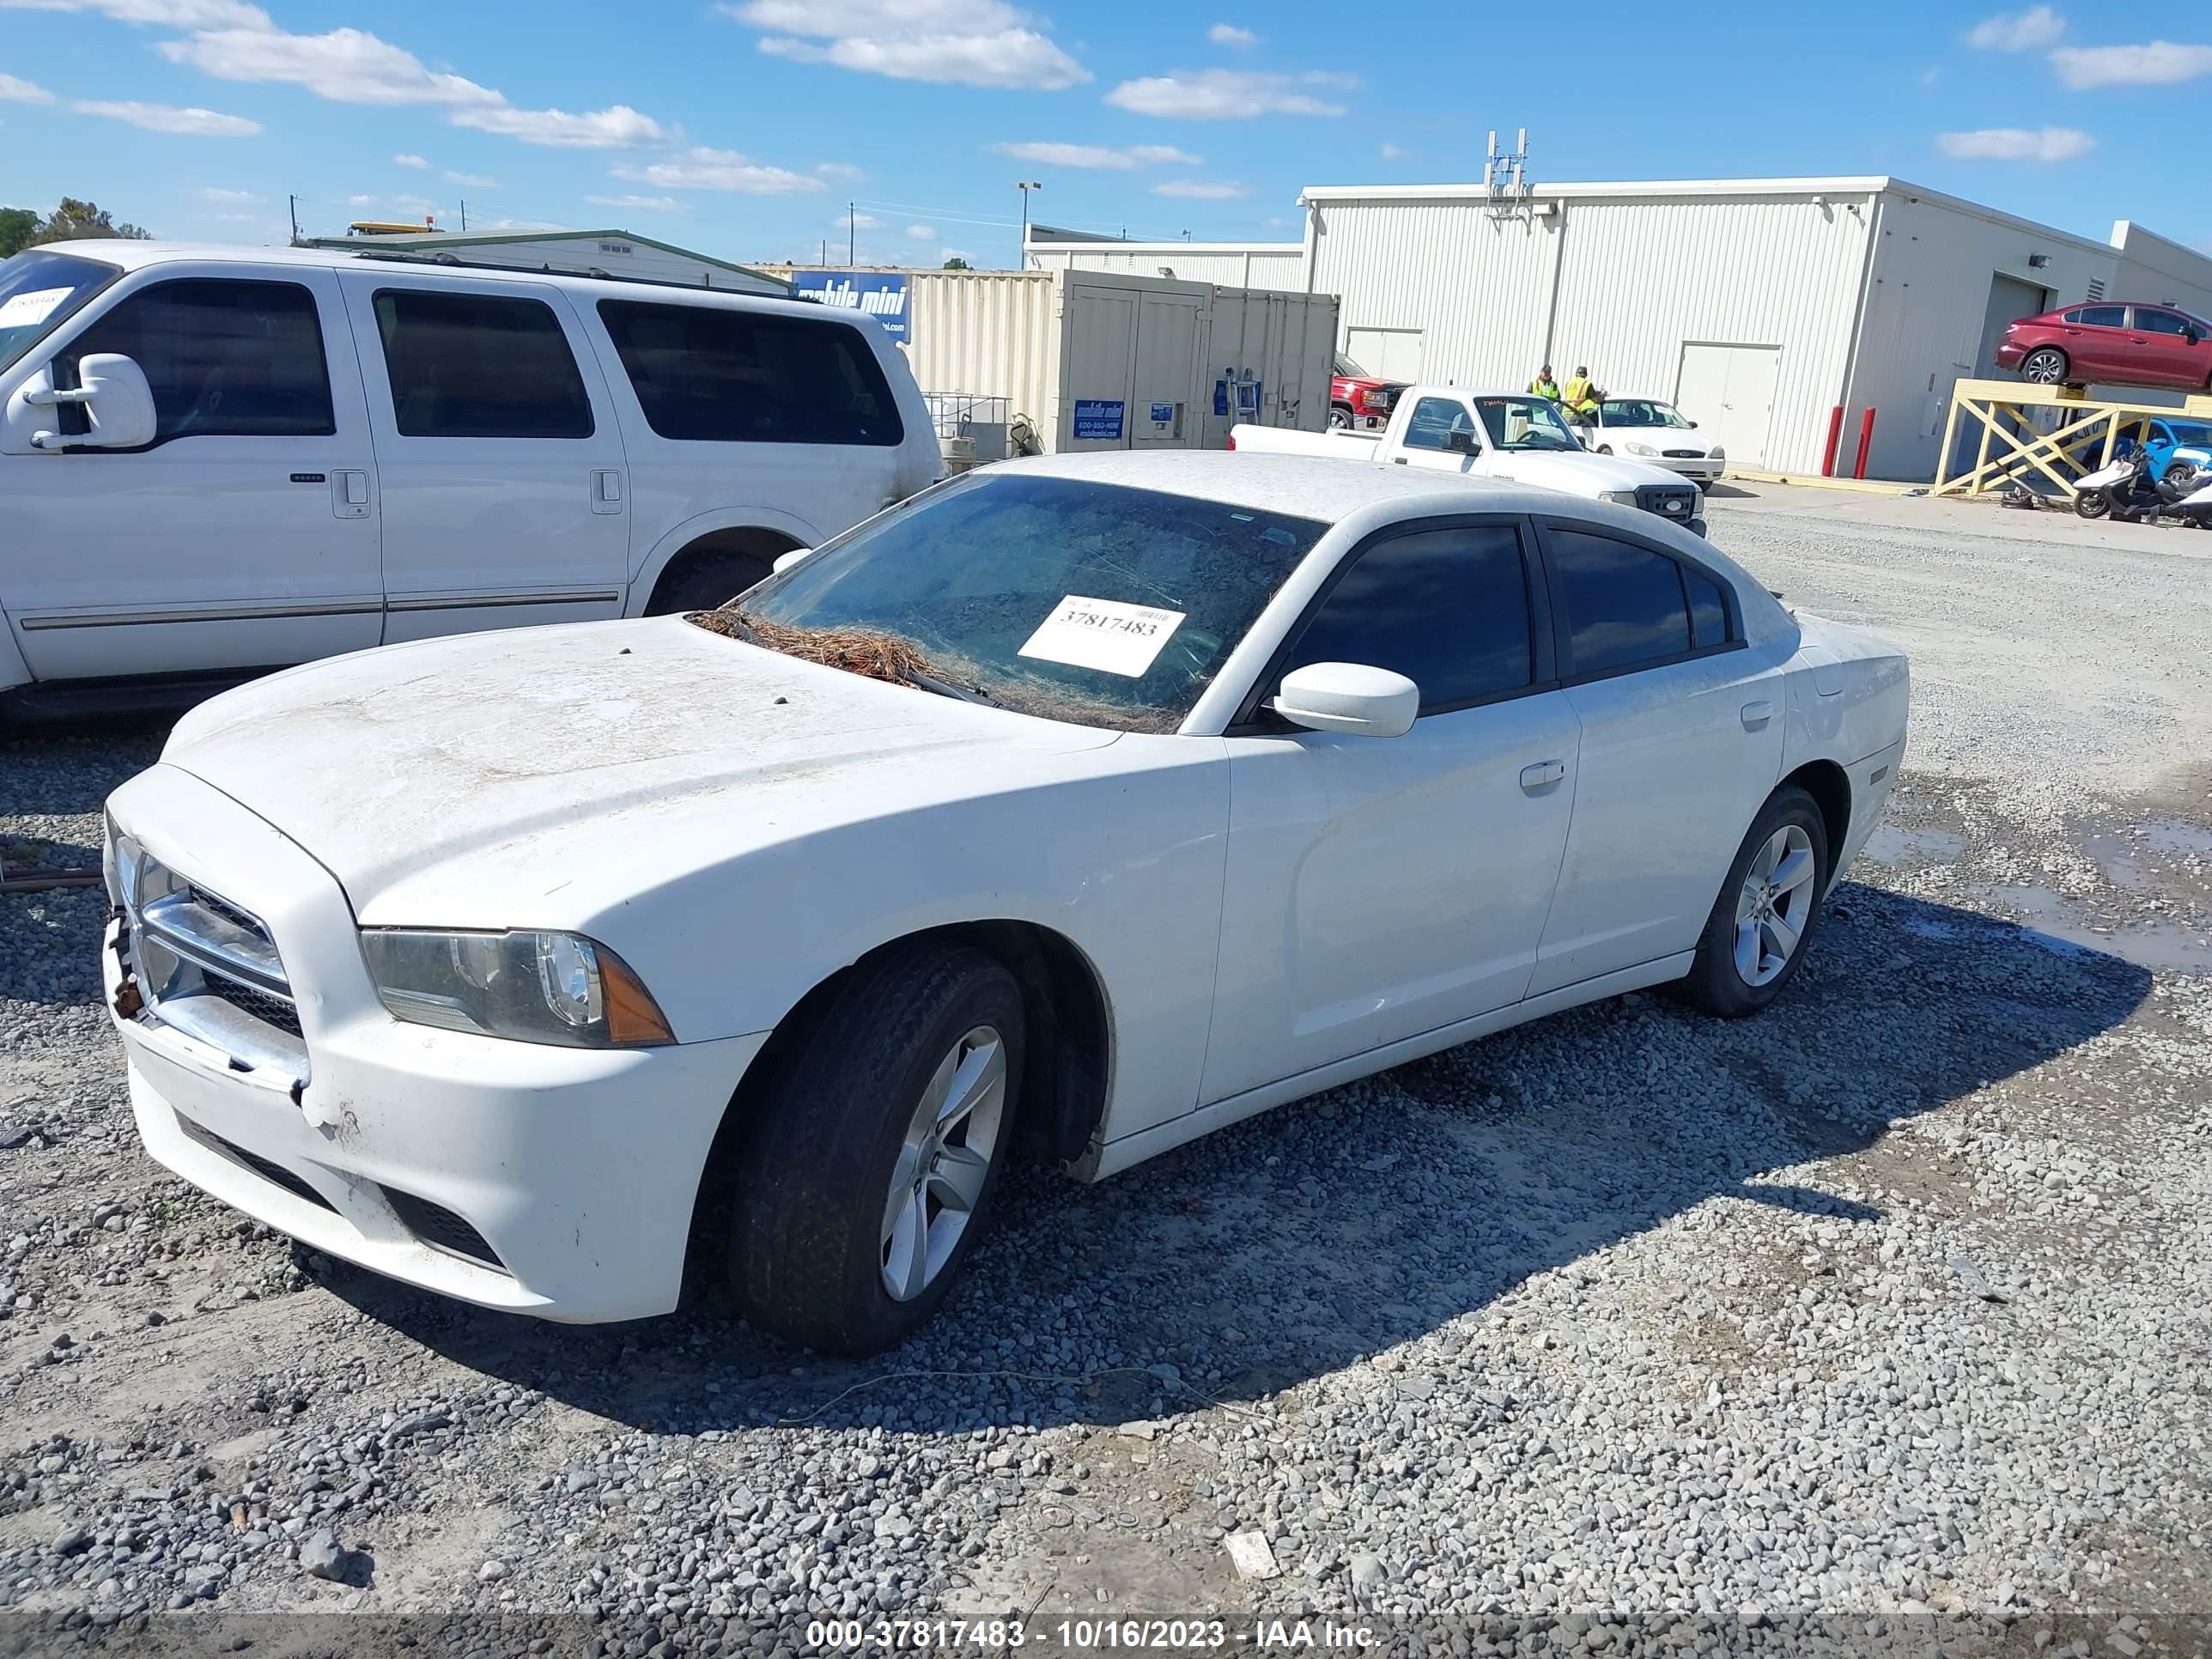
1228, 34
641, 204
2016, 144
703, 169
1219, 95
957, 253
615, 127
856, 220
2025, 31
922, 233
168, 118
346, 66
231, 197
2158, 64
1390, 152
1200, 190
410, 160
414, 206
843, 171
977, 43
1054, 155
172, 14
520, 224
472, 180
14, 91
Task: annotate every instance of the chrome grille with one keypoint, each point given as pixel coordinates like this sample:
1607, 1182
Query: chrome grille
210, 968
1684, 454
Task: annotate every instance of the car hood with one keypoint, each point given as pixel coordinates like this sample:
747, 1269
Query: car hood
1578, 474
1659, 437
436, 780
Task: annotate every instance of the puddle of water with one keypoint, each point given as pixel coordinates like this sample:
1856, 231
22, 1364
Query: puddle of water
1892, 843
2161, 946
2120, 858
2173, 835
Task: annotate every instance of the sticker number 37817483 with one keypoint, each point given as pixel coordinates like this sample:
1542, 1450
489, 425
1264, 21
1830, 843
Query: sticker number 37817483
1103, 634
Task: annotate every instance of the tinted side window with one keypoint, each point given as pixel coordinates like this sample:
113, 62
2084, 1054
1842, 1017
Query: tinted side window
1708, 624
2159, 322
1625, 604
731, 376
479, 366
223, 358
2072, 316
2104, 316
1433, 420
1447, 609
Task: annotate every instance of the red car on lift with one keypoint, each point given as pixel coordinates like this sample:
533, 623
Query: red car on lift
2111, 343
1356, 399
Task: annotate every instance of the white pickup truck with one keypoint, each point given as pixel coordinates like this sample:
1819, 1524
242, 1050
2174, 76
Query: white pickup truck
1506, 435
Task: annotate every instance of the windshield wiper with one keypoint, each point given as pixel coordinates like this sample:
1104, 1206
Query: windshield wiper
953, 689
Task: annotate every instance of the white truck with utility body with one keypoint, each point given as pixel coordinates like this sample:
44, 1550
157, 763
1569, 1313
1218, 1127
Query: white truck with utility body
1515, 437
221, 461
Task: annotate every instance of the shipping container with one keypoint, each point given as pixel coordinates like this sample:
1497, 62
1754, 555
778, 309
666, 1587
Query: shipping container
1104, 360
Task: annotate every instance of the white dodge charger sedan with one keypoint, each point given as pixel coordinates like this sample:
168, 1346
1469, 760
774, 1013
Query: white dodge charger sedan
1077, 806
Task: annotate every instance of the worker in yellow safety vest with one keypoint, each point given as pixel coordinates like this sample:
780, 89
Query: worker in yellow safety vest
1581, 396
1543, 385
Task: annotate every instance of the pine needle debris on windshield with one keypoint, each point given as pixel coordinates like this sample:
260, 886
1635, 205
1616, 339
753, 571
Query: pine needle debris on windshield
868, 652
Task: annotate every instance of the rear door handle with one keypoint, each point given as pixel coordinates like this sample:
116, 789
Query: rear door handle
1756, 715
607, 490
1542, 775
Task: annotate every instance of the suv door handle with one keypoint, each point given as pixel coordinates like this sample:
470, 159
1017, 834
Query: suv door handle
349, 494
1756, 715
1542, 775
606, 490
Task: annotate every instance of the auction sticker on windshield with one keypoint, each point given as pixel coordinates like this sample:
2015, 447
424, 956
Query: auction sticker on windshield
33, 307
1103, 634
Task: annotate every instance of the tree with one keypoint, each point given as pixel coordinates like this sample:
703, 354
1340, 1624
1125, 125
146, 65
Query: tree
956, 263
77, 221
17, 227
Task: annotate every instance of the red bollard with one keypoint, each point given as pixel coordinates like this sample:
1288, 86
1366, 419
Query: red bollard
1835, 437
1866, 442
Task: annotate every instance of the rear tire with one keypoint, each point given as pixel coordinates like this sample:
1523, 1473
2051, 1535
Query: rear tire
892, 1110
704, 580
2045, 366
1764, 919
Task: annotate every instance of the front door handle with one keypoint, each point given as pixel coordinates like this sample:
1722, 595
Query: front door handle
1542, 775
349, 494
1756, 715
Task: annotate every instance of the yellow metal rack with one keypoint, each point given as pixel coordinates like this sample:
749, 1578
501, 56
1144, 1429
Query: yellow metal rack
2013, 443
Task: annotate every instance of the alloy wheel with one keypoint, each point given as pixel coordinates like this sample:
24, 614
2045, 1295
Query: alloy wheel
1775, 904
943, 1162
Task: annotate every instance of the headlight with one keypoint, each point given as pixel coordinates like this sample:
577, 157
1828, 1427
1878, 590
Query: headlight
1718, 453
1618, 497
534, 988
1639, 449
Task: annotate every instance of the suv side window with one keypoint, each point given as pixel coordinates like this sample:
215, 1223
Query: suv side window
479, 366
1433, 420
1447, 608
2161, 322
1626, 606
2104, 317
725, 375
224, 358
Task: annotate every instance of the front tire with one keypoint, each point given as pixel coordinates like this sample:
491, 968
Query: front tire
875, 1149
1764, 919
2045, 366
1340, 417
2091, 504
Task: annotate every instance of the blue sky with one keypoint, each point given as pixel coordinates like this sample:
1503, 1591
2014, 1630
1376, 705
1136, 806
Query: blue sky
743, 129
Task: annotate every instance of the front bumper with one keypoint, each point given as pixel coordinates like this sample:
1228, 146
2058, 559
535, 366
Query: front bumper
554, 1181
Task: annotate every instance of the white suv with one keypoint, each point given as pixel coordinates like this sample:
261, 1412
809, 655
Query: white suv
221, 461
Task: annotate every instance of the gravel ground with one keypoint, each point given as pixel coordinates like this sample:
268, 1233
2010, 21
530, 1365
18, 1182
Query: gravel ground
1890, 1302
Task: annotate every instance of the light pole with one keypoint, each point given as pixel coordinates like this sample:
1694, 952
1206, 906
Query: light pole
1025, 187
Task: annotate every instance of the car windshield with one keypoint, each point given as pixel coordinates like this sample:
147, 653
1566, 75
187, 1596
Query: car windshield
40, 291
1524, 423
1051, 596
1638, 411
1346, 366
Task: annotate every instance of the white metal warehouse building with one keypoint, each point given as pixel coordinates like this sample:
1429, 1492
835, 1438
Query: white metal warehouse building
1758, 305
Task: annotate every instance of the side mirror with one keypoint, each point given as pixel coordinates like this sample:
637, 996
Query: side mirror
1461, 443
117, 403
1349, 698
785, 561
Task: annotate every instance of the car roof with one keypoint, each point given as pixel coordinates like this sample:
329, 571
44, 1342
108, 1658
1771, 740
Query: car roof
132, 255
1298, 486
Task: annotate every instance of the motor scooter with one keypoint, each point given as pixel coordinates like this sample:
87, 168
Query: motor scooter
2195, 506
2123, 491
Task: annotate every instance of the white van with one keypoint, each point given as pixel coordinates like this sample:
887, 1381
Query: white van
215, 461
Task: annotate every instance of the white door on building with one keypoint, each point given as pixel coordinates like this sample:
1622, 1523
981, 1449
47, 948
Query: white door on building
1729, 390
1387, 354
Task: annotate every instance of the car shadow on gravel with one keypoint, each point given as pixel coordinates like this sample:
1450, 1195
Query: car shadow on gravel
1313, 1237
